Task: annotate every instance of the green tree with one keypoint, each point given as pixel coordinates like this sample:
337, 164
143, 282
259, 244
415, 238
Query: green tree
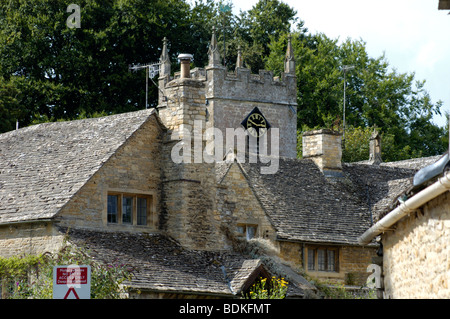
356, 144
10, 108
268, 19
376, 96
60, 72
51, 72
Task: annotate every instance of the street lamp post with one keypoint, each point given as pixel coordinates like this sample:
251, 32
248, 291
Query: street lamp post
345, 68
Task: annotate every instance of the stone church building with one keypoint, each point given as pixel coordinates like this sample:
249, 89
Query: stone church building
138, 187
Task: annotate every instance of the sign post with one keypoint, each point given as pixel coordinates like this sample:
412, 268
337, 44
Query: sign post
72, 282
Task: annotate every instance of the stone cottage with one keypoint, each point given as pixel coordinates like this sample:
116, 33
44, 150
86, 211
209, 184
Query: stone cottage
414, 235
100, 181
316, 208
154, 189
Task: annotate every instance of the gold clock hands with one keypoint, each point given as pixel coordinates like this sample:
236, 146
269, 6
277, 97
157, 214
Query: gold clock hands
261, 125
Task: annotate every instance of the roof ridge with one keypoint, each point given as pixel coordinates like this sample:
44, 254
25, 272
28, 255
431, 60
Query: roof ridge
60, 156
69, 122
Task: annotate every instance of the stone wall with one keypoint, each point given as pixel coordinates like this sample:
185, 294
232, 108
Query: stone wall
232, 96
135, 168
185, 104
293, 252
238, 205
189, 185
214, 98
29, 239
354, 262
416, 261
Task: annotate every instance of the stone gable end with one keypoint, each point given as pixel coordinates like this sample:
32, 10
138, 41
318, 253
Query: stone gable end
133, 169
238, 205
416, 261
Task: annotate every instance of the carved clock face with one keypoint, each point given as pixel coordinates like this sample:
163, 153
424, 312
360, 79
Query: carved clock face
255, 123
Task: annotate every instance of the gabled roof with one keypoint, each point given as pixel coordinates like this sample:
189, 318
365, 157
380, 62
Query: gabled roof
305, 206
163, 266
43, 166
380, 186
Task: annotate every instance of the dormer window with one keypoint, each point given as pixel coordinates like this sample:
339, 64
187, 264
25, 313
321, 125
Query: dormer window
129, 209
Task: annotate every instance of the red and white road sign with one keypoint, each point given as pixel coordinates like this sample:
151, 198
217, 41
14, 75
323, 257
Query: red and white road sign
72, 282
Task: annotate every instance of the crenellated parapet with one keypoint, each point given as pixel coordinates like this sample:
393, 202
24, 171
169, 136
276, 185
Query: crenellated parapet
242, 84
245, 86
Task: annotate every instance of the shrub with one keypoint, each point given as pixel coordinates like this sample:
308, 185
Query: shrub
31, 277
274, 289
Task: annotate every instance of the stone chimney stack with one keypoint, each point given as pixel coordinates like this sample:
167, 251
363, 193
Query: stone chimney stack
375, 148
325, 149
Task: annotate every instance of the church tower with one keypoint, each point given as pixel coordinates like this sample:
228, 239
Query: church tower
195, 101
231, 97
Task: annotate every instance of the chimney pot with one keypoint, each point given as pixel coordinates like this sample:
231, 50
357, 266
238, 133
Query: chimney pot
185, 60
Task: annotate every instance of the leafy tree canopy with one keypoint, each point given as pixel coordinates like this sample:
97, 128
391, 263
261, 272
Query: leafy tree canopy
376, 96
49, 71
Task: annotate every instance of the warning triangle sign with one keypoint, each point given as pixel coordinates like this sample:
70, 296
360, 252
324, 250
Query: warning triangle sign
74, 293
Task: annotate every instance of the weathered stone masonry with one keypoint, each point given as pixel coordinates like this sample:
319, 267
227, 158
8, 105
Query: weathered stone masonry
134, 168
29, 239
188, 189
416, 261
232, 96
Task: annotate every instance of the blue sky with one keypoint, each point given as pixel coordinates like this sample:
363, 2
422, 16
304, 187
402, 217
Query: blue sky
413, 35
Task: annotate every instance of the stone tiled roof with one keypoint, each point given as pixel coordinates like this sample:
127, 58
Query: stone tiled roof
163, 266
413, 163
303, 205
43, 166
380, 186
